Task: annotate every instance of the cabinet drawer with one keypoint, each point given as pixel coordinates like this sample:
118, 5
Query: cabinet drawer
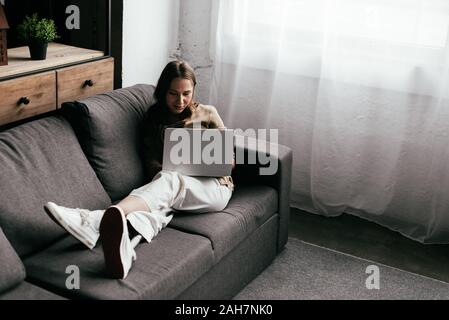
81, 81
26, 97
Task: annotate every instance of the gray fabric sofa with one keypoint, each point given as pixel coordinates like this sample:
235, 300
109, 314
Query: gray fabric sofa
88, 155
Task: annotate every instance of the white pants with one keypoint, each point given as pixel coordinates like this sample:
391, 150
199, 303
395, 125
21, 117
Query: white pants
170, 191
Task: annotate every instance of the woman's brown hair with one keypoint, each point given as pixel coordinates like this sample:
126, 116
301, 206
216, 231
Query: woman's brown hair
174, 69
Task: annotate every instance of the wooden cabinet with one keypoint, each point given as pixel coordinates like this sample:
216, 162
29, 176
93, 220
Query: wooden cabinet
82, 81
29, 88
26, 97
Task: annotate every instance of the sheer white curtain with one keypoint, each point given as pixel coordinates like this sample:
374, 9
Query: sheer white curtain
358, 89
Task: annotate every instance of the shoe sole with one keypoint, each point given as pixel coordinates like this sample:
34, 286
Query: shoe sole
54, 215
111, 234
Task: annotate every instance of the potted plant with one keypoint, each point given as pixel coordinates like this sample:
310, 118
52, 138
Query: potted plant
37, 33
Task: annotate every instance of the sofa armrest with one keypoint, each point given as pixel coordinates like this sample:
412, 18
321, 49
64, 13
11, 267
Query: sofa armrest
261, 162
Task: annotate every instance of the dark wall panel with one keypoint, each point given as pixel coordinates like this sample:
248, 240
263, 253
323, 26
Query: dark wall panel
100, 28
93, 32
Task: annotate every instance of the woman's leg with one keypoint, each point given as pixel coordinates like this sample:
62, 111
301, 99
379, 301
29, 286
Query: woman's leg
132, 203
83, 224
172, 190
161, 192
118, 248
167, 191
149, 209
201, 194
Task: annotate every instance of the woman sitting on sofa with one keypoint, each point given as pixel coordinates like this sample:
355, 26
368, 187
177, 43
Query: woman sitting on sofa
146, 210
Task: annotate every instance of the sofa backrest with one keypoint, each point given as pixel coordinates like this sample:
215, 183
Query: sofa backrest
12, 271
42, 161
108, 127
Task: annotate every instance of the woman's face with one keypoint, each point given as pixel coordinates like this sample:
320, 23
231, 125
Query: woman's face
179, 95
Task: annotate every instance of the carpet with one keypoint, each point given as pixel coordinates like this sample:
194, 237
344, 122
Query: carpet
303, 271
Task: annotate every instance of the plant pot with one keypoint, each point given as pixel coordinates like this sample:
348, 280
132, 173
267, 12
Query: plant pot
38, 50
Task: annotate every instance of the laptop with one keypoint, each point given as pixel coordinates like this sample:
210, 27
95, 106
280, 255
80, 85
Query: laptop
198, 152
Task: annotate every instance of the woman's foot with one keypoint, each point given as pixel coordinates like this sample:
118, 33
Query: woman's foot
81, 223
118, 249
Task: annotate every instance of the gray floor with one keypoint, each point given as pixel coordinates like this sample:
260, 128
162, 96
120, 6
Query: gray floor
364, 239
306, 271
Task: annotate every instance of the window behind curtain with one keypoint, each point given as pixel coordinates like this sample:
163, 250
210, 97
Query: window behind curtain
371, 42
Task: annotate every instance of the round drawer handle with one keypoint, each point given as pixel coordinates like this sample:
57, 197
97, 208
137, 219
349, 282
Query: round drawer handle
23, 100
88, 83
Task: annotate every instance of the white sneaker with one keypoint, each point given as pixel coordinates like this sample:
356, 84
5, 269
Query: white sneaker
118, 249
81, 223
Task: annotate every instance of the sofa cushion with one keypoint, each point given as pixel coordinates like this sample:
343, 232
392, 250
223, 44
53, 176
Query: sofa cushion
164, 268
42, 161
12, 271
109, 129
28, 291
249, 207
